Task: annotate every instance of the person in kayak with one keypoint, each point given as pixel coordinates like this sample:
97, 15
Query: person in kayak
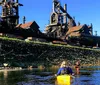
64, 69
77, 67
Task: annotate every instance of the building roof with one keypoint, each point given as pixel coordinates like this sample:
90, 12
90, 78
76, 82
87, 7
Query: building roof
74, 29
24, 26
27, 25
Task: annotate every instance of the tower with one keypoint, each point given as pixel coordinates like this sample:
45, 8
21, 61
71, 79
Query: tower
10, 11
57, 16
58, 20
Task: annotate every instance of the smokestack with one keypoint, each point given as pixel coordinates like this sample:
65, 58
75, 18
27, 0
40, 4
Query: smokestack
95, 33
65, 7
24, 19
91, 28
79, 23
65, 14
53, 8
17, 12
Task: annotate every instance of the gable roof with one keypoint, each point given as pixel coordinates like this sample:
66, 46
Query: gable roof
27, 25
73, 29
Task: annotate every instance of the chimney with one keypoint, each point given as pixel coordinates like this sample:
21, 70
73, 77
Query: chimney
53, 8
65, 7
91, 28
95, 33
65, 14
24, 19
78, 23
17, 12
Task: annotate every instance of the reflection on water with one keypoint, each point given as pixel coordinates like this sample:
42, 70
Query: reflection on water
88, 76
5, 74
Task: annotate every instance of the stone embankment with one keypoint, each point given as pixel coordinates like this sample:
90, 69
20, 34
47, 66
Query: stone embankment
24, 54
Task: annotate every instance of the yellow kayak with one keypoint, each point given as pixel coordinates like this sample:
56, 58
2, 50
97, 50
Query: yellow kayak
64, 80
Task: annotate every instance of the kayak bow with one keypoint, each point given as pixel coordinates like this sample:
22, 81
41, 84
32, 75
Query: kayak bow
64, 79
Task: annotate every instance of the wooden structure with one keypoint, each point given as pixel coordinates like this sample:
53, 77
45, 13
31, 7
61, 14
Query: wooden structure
29, 29
64, 27
58, 21
10, 11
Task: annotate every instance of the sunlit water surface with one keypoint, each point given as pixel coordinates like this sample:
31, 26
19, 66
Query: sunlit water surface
87, 76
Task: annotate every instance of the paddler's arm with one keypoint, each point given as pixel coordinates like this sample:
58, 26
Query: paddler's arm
70, 70
59, 72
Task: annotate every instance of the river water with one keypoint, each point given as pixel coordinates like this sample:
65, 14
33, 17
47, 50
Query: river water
87, 76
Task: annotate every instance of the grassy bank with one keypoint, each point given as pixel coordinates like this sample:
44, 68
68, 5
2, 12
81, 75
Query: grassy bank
17, 52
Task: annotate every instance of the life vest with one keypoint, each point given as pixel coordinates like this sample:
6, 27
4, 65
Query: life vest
65, 71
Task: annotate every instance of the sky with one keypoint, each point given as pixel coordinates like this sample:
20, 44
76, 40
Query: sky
84, 11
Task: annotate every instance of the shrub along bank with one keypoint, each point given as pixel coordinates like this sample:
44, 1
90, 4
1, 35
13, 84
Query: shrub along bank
20, 53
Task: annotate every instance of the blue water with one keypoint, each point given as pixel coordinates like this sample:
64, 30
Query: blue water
92, 79
87, 76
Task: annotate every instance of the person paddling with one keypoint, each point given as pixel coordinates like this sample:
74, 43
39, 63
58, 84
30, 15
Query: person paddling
64, 69
77, 67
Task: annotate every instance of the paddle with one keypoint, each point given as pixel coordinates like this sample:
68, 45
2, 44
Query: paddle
72, 76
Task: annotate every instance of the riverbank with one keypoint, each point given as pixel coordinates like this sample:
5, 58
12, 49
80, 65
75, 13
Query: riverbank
18, 53
10, 69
